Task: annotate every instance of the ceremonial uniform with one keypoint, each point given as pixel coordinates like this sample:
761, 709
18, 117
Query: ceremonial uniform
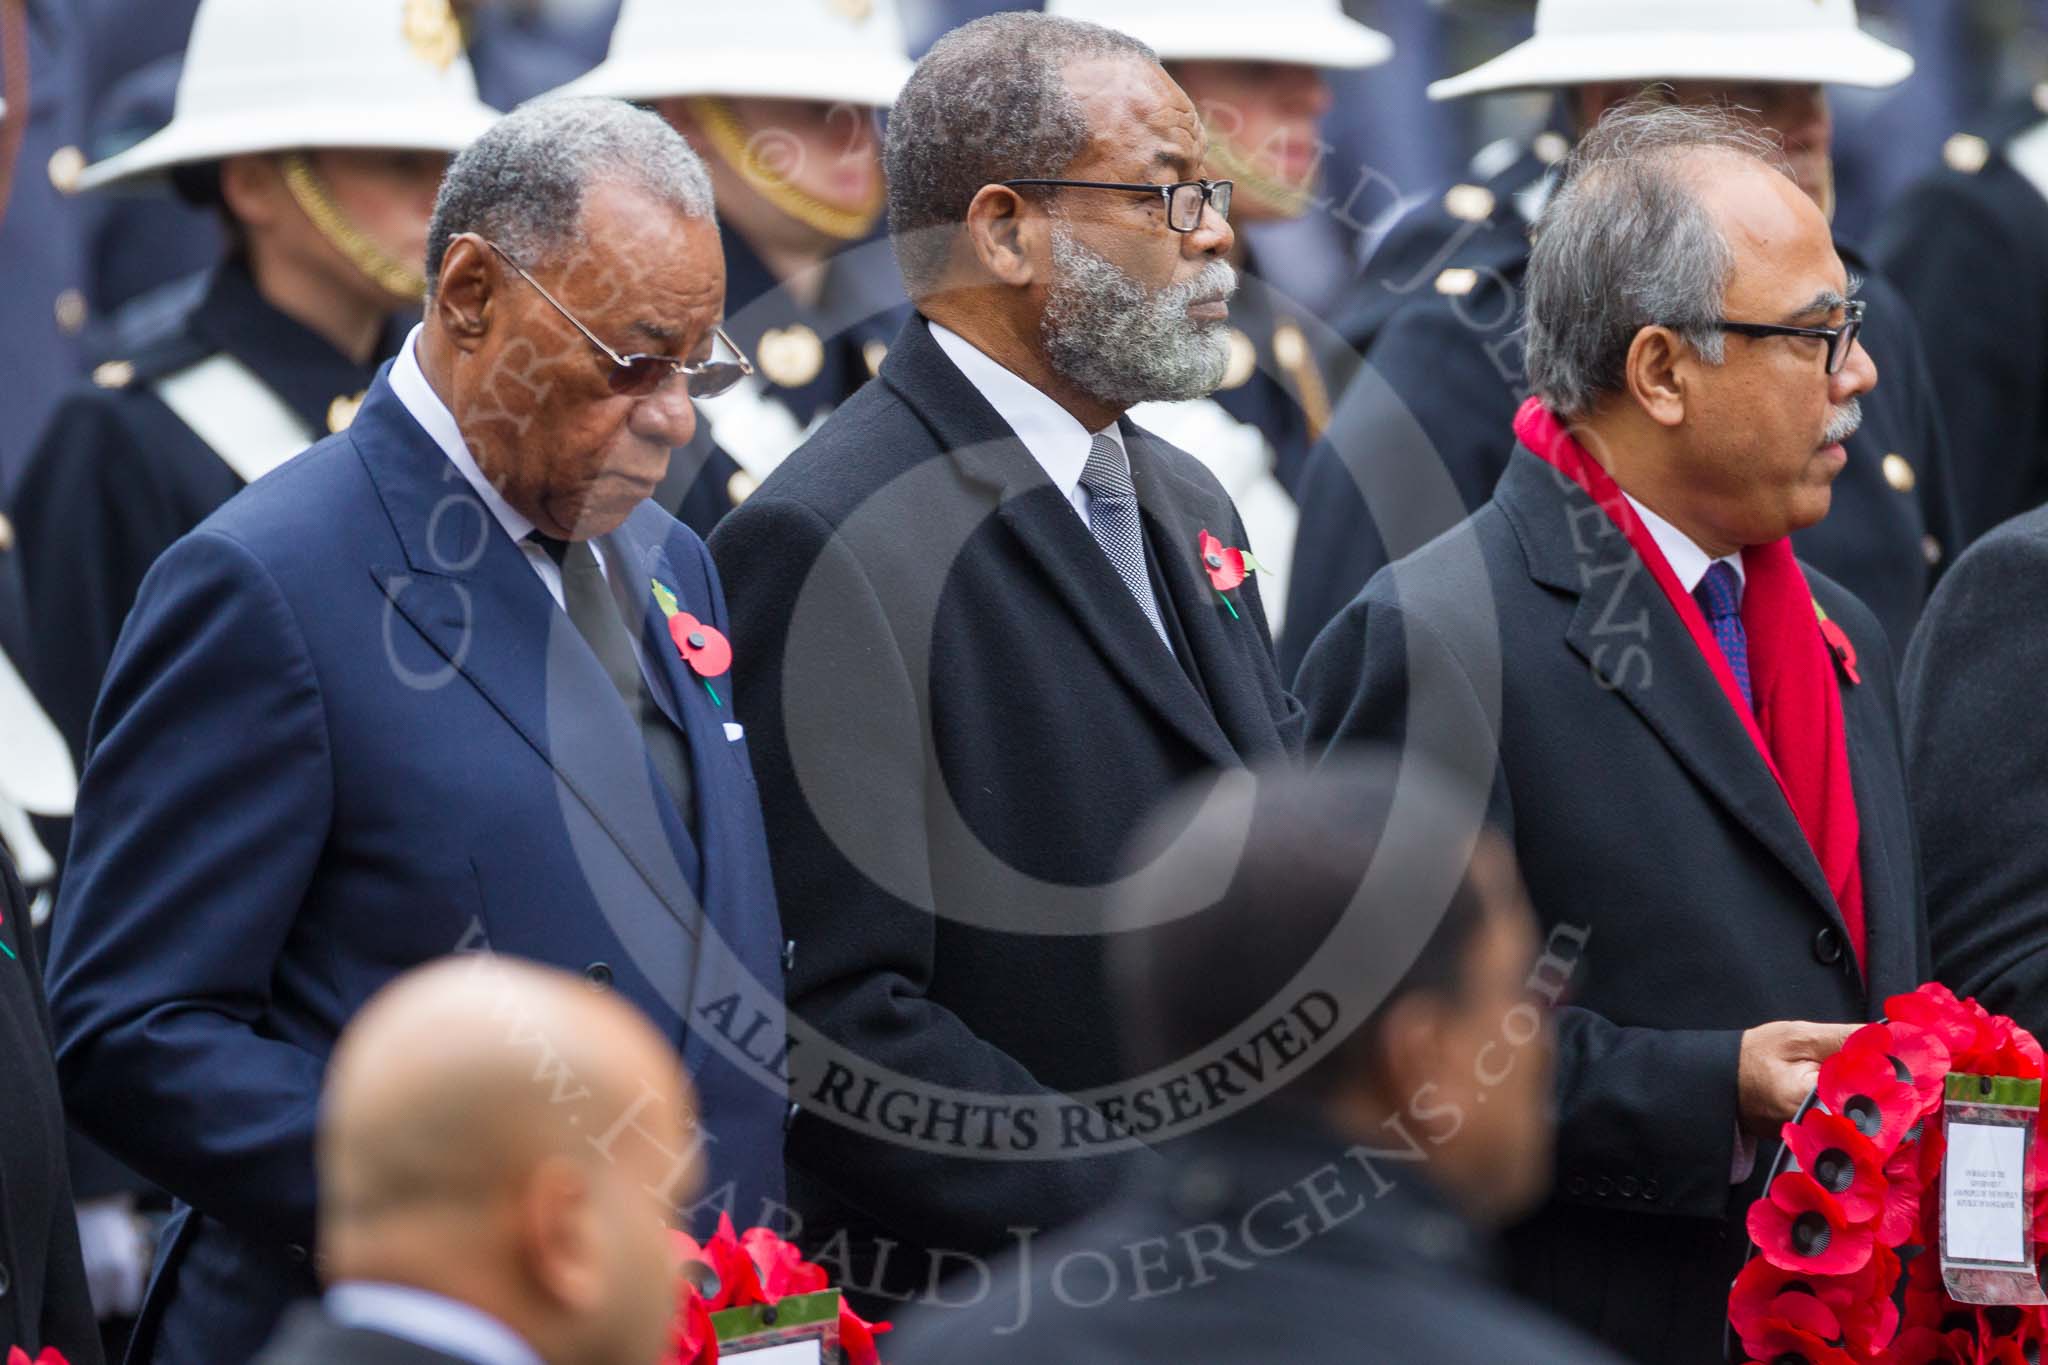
1968, 249
142, 456
808, 359
1442, 314
43, 308
813, 341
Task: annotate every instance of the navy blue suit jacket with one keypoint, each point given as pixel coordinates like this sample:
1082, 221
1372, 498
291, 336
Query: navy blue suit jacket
345, 731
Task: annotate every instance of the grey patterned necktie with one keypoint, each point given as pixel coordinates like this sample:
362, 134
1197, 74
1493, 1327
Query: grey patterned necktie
587, 598
1113, 517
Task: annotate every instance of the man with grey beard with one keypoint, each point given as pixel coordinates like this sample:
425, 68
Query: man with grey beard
981, 625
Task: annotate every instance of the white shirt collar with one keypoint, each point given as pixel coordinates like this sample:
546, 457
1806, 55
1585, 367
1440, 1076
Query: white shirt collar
1687, 560
426, 1319
1054, 436
409, 383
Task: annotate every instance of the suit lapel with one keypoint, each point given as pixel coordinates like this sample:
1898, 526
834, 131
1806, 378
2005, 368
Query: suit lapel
1573, 546
1044, 523
469, 591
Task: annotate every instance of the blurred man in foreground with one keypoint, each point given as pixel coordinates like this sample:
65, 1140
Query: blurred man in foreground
1345, 1215
469, 1213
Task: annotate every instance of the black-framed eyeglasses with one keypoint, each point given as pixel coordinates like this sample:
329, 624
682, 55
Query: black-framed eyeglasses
1839, 339
1184, 199
636, 376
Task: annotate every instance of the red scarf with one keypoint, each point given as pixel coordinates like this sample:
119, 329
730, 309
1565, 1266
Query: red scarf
1797, 725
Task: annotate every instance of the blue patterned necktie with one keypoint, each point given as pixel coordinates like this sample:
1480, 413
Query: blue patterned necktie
1720, 597
1113, 518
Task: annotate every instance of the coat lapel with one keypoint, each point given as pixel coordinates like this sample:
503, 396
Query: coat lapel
1224, 646
984, 448
1636, 646
469, 591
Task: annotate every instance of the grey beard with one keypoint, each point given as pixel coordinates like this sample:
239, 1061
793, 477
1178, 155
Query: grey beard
1843, 423
1124, 343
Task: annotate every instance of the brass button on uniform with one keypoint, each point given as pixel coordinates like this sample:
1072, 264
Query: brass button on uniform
1930, 550
66, 165
1550, 148
343, 410
1469, 203
1898, 472
874, 353
71, 312
115, 374
6, 534
790, 356
1290, 347
740, 486
1966, 152
1457, 282
1244, 358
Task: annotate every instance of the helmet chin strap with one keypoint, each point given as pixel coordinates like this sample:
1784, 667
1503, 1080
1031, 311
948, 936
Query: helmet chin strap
378, 266
734, 145
1232, 163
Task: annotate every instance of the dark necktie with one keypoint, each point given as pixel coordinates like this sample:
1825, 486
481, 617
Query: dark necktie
1113, 518
1720, 597
588, 600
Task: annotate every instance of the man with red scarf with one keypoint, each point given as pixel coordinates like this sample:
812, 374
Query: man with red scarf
1692, 738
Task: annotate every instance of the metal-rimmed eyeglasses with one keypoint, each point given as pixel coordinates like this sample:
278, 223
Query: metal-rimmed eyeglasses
1184, 199
1840, 339
636, 376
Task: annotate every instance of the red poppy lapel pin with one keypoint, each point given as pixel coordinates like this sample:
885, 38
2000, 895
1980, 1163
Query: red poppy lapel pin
704, 649
1839, 644
1227, 568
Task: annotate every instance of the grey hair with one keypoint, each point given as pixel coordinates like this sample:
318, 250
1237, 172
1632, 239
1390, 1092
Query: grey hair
988, 103
522, 183
1626, 243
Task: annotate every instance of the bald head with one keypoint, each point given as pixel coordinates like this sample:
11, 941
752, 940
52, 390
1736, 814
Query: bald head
505, 1135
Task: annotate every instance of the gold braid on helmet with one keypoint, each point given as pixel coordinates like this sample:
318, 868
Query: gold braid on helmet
1228, 162
309, 191
735, 147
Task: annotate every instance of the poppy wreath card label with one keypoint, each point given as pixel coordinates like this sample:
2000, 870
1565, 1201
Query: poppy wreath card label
1227, 568
704, 649
1882, 1177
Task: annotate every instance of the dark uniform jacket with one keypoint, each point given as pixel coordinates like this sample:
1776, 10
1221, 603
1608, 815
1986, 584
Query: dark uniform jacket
43, 306
1267, 1242
1974, 734
1444, 376
43, 1295
1968, 249
1530, 647
959, 714
808, 358
118, 476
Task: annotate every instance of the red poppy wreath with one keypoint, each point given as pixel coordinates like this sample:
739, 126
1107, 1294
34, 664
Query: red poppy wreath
754, 1289
1857, 1202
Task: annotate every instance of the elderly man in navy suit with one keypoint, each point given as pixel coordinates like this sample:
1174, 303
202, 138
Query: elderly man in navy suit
1692, 737
448, 681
